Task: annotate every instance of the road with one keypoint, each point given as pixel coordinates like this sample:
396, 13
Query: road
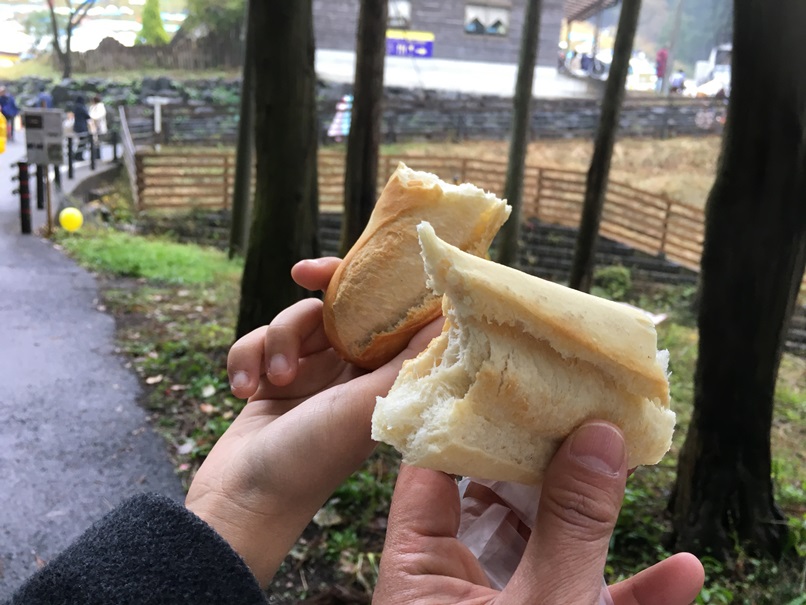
73, 441
462, 76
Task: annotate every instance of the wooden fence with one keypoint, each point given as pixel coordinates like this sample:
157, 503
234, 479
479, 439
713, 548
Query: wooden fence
185, 52
645, 221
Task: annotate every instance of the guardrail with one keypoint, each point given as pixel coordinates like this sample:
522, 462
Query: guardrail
130, 157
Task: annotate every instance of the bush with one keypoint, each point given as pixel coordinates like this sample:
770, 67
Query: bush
614, 282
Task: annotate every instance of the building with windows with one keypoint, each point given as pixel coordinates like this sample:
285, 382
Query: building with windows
466, 30
455, 44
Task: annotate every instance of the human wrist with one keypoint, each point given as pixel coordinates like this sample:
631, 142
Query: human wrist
247, 533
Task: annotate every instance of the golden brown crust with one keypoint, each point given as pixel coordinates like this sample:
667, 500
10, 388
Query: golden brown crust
378, 299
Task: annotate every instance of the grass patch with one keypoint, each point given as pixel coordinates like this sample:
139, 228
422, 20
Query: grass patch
45, 67
126, 255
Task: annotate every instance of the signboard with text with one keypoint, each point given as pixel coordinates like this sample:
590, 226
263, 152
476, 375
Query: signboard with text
405, 43
44, 134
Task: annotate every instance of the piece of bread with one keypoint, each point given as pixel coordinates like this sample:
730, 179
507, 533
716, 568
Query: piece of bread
520, 364
378, 299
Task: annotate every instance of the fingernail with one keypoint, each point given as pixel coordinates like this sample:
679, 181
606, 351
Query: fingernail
600, 447
239, 379
278, 365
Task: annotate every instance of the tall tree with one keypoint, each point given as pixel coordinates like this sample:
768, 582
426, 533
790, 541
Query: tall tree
519, 133
752, 265
217, 16
705, 24
242, 191
363, 142
599, 171
67, 26
285, 216
153, 30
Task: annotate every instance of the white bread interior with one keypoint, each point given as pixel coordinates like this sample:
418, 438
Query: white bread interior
378, 298
520, 364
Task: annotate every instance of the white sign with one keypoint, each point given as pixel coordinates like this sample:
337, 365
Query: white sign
44, 133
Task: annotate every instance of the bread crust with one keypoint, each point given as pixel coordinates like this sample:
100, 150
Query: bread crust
377, 299
521, 363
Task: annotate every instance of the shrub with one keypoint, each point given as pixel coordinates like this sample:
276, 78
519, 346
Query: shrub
613, 282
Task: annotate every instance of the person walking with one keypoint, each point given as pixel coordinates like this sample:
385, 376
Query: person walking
8, 106
81, 126
660, 68
44, 99
98, 126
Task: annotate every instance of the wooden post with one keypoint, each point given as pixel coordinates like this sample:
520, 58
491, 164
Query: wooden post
25, 198
226, 181
537, 193
49, 203
664, 233
139, 180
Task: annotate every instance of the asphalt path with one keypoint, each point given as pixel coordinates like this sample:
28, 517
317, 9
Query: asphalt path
74, 442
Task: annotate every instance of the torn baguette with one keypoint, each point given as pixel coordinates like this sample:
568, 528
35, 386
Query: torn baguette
520, 364
378, 298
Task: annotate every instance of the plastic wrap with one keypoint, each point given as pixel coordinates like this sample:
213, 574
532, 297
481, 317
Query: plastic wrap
490, 528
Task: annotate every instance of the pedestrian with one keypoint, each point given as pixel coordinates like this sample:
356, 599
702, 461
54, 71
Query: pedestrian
677, 82
660, 68
8, 106
305, 429
44, 99
98, 125
81, 126
339, 128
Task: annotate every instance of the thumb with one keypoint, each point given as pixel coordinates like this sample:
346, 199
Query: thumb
579, 504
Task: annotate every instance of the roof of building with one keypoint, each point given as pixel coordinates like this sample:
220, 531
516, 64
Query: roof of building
579, 10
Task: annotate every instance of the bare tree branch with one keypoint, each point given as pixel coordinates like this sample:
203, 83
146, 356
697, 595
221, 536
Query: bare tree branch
78, 16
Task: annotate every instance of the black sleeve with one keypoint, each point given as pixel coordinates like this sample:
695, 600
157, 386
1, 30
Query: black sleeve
150, 550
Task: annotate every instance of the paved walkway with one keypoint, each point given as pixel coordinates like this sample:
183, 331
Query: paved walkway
73, 441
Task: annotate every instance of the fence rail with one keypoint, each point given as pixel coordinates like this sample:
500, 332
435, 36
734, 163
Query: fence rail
649, 222
129, 156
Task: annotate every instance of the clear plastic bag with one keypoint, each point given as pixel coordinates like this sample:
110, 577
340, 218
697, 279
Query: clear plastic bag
490, 531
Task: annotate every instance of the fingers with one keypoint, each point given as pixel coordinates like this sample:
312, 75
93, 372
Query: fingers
418, 490
295, 332
315, 274
316, 372
579, 505
421, 535
675, 581
275, 349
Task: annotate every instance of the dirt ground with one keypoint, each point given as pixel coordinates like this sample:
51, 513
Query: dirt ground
682, 168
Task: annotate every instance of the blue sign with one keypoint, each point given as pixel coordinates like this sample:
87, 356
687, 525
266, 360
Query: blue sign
403, 43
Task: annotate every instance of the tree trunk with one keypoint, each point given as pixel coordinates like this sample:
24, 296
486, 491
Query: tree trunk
66, 56
361, 169
284, 226
673, 46
519, 133
596, 182
242, 191
752, 264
